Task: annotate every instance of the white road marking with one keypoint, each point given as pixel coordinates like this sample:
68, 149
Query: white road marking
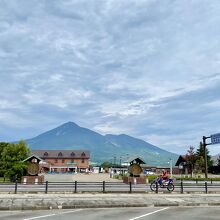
150, 213
44, 216
70, 211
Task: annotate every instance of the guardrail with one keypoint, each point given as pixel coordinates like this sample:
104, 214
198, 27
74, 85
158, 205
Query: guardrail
106, 187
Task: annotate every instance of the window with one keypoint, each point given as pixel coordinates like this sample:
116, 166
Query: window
45, 154
63, 161
34, 160
83, 154
60, 154
72, 154
56, 161
83, 161
72, 161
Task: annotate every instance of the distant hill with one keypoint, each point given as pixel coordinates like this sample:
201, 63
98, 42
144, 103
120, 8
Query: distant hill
215, 159
102, 147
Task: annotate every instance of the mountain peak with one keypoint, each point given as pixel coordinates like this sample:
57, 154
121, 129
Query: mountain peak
69, 124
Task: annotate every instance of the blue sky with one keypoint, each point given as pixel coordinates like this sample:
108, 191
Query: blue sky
147, 68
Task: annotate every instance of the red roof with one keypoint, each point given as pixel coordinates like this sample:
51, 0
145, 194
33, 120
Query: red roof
62, 153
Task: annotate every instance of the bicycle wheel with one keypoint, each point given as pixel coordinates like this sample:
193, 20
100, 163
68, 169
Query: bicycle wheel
170, 187
153, 186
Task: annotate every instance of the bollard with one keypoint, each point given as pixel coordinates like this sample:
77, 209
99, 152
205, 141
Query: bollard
181, 187
103, 186
156, 187
130, 186
16, 186
211, 181
206, 187
75, 190
196, 181
46, 187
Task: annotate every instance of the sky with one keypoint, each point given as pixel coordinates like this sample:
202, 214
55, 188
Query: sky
146, 68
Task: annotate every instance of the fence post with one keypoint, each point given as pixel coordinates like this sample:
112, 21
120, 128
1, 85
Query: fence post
75, 190
16, 186
181, 187
46, 187
130, 184
103, 186
156, 187
206, 187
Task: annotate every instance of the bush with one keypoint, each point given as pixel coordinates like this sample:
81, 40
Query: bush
198, 179
151, 178
120, 176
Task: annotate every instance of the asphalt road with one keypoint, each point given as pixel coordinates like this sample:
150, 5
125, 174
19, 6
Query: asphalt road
165, 213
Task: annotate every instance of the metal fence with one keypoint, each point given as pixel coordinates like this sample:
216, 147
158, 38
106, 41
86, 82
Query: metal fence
107, 187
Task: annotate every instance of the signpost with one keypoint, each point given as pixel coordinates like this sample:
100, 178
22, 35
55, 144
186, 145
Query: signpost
205, 155
215, 139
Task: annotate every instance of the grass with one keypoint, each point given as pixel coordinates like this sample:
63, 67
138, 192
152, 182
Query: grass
2, 180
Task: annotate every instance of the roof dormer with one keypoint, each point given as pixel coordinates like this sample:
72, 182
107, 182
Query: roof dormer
45, 154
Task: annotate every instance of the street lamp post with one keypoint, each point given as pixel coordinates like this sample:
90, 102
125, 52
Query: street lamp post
114, 161
120, 164
127, 155
171, 168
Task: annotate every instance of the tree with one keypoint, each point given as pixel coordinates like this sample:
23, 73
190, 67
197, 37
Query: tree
12, 157
107, 164
200, 164
201, 154
218, 161
191, 158
3, 145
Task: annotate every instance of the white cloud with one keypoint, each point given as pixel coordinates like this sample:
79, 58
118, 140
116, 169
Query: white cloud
146, 68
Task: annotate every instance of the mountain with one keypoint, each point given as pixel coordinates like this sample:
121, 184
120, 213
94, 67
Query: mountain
102, 147
215, 159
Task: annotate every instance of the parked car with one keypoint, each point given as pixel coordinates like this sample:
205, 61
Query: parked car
149, 172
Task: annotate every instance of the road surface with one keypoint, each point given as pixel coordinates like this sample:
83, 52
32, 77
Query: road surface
165, 213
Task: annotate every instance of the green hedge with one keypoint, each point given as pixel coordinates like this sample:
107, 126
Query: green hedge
2, 179
151, 178
198, 179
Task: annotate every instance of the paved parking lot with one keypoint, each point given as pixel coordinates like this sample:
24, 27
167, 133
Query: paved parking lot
80, 177
151, 213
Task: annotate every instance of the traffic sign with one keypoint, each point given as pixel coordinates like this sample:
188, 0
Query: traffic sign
215, 138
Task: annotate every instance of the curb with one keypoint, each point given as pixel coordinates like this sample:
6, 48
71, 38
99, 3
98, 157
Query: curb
48, 205
45, 202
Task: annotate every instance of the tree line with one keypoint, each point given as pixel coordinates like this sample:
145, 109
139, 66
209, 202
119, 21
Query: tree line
195, 159
11, 157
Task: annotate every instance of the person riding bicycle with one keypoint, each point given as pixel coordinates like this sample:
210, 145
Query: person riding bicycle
163, 177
